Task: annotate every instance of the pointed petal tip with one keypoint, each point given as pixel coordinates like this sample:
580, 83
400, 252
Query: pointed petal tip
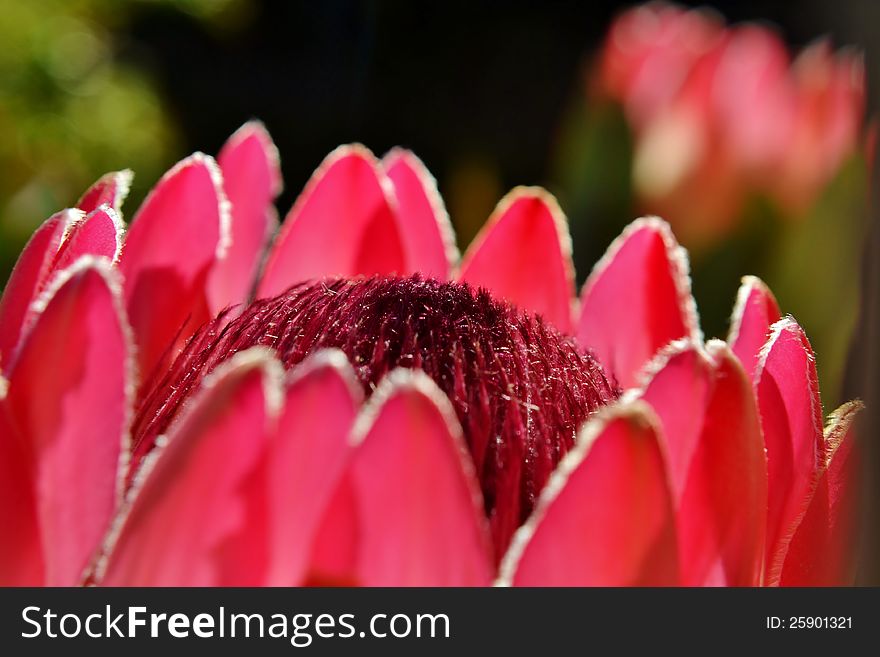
405, 381
180, 233
410, 461
332, 359
211, 542
427, 232
552, 542
86, 395
523, 254
785, 326
225, 208
111, 188
838, 424
350, 194
642, 284
256, 129
100, 265
259, 358
754, 312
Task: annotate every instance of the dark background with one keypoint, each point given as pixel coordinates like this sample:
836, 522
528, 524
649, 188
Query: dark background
454, 81
476, 89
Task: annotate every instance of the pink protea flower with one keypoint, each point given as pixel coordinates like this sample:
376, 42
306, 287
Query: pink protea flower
439, 423
720, 113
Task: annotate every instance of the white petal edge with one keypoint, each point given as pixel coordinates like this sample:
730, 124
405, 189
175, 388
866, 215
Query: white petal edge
678, 257
254, 358
435, 200
104, 268
637, 411
223, 205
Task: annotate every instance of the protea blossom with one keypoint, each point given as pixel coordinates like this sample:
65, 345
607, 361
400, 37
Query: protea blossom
723, 113
383, 414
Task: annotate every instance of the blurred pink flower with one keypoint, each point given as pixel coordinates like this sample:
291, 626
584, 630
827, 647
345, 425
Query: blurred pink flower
720, 113
440, 422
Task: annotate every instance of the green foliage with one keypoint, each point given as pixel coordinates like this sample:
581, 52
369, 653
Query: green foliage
71, 108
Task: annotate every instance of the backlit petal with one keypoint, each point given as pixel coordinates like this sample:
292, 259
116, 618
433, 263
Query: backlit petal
195, 516
523, 254
252, 179
637, 300
425, 229
177, 236
111, 189
344, 223
606, 516
100, 233
755, 312
70, 401
791, 417
717, 464
306, 459
56, 245
421, 521
821, 551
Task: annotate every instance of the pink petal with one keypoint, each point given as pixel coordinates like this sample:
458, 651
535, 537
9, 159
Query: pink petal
21, 557
306, 459
177, 236
425, 229
70, 399
195, 517
27, 278
605, 517
821, 551
35, 267
99, 234
57, 244
111, 189
420, 511
252, 179
755, 311
791, 417
523, 254
637, 300
334, 558
344, 223
718, 470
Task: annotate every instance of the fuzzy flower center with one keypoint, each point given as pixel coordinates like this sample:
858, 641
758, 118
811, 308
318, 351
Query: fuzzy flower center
518, 387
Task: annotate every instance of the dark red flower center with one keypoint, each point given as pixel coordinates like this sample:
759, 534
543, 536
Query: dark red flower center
518, 387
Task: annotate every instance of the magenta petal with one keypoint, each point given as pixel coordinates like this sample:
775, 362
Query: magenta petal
755, 311
606, 516
718, 469
344, 223
21, 559
420, 512
523, 254
177, 236
56, 245
425, 229
111, 189
70, 401
195, 517
637, 300
100, 233
252, 179
334, 558
29, 277
821, 551
306, 460
791, 417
